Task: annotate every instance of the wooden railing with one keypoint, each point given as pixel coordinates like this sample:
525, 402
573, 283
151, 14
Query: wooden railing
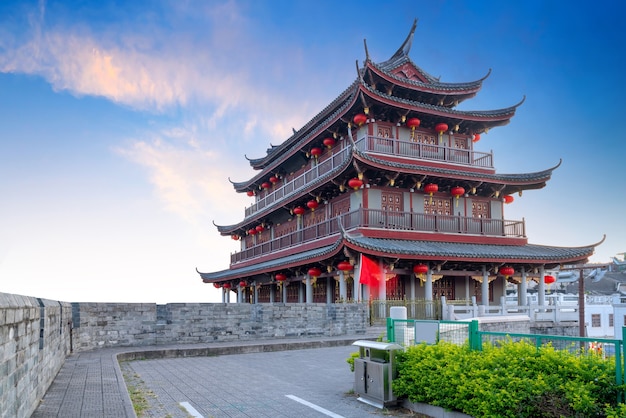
372, 144
425, 151
379, 219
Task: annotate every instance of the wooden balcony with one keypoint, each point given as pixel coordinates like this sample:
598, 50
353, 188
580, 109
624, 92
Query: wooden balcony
388, 146
378, 219
421, 151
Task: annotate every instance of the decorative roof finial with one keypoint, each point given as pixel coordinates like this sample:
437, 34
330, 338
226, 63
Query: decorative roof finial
367, 53
405, 48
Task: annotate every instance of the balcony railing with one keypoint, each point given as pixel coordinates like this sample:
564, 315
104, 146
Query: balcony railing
291, 187
418, 150
378, 219
373, 144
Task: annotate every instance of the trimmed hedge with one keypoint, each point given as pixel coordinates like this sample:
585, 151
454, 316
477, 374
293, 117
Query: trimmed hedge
510, 379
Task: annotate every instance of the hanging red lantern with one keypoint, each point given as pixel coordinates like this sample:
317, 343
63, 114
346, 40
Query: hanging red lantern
216, 285
260, 228
457, 192
507, 271
242, 283
344, 266
227, 286
235, 237
355, 183
329, 142
508, 199
441, 128
250, 193
252, 231
359, 119
430, 189
316, 152
280, 277
413, 123
475, 137
299, 210
273, 179
312, 204
549, 279
420, 269
266, 185
315, 272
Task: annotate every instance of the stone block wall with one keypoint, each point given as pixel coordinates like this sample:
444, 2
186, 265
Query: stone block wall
34, 341
36, 335
124, 325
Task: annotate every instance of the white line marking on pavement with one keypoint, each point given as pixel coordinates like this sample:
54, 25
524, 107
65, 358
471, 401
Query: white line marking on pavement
312, 405
191, 410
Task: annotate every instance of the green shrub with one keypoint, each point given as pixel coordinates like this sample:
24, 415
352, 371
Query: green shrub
350, 360
511, 379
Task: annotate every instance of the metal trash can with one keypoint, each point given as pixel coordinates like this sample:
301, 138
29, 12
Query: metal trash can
374, 370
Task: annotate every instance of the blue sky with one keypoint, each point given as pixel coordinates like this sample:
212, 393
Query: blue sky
121, 123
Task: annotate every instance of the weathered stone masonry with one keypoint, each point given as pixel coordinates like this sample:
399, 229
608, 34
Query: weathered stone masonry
36, 334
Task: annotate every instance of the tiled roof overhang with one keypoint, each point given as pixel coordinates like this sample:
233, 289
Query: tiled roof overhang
293, 260
529, 253
535, 177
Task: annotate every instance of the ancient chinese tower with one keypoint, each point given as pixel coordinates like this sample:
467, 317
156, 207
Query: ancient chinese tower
385, 194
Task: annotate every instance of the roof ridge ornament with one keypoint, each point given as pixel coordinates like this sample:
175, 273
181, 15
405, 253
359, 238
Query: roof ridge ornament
405, 48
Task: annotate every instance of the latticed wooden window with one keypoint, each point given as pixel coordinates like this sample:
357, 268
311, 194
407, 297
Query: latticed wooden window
610, 319
391, 201
437, 206
480, 209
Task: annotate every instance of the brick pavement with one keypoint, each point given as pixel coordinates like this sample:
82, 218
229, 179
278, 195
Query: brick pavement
254, 382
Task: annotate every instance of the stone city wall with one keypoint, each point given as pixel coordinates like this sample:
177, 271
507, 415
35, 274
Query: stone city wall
34, 341
36, 335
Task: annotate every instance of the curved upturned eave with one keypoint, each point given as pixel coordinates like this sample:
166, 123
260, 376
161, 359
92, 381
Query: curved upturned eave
499, 116
311, 128
291, 149
436, 87
290, 261
512, 179
469, 252
229, 229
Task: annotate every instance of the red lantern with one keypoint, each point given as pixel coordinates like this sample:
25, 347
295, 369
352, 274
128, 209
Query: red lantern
329, 142
457, 192
250, 193
312, 204
216, 285
273, 179
441, 128
316, 152
475, 137
549, 279
507, 271
252, 231
227, 286
266, 185
242, 284
235, 237
299, 210
420, 269
359, 119
355, 183
430, 189
281, 277
413, 123
260, 228
314, 272
508, 199
345, 266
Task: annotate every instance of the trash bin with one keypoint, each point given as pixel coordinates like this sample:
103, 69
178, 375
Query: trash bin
374, 370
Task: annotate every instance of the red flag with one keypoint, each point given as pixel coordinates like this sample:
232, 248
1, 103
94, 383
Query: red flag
370, 272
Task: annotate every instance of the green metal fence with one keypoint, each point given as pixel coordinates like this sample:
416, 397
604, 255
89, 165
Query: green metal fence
409, 332
415, 308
